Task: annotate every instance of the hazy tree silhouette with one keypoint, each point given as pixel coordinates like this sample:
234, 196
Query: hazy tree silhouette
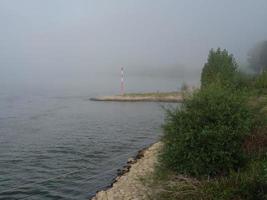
257, 57
220, 67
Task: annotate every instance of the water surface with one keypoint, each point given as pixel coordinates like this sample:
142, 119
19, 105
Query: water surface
46, 135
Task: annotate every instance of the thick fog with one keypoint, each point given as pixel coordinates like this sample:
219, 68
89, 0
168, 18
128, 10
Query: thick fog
86, 42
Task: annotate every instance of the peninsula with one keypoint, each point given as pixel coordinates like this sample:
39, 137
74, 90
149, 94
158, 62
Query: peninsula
144, 97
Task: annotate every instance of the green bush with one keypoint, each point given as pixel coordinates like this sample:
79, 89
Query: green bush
205, 135
220, 67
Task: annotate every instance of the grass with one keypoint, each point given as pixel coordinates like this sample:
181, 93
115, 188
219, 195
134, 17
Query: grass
249, 183
166, 185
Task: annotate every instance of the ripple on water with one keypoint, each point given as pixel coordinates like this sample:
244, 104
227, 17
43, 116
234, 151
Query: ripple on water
48, 138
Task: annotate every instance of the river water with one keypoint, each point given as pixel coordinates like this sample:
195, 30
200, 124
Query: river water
63, 146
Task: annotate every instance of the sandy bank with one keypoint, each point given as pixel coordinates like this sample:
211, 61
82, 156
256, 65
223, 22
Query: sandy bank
128, 186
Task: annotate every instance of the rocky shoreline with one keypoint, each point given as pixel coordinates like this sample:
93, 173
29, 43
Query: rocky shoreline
127, 185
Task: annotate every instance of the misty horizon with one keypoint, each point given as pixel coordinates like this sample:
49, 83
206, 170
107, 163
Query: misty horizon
84, 42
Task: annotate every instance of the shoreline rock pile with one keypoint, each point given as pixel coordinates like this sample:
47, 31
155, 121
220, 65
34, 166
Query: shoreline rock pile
127, 185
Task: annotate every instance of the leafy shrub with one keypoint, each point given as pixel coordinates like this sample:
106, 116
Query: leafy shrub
220, 67
205, 135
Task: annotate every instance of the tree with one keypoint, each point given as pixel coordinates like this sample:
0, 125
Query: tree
221, 67
257, 57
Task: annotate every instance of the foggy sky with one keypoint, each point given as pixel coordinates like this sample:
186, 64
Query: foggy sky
80, 39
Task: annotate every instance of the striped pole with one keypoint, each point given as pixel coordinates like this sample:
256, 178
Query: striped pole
122, 81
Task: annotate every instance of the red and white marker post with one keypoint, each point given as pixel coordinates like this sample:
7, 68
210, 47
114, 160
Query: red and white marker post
122, 81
